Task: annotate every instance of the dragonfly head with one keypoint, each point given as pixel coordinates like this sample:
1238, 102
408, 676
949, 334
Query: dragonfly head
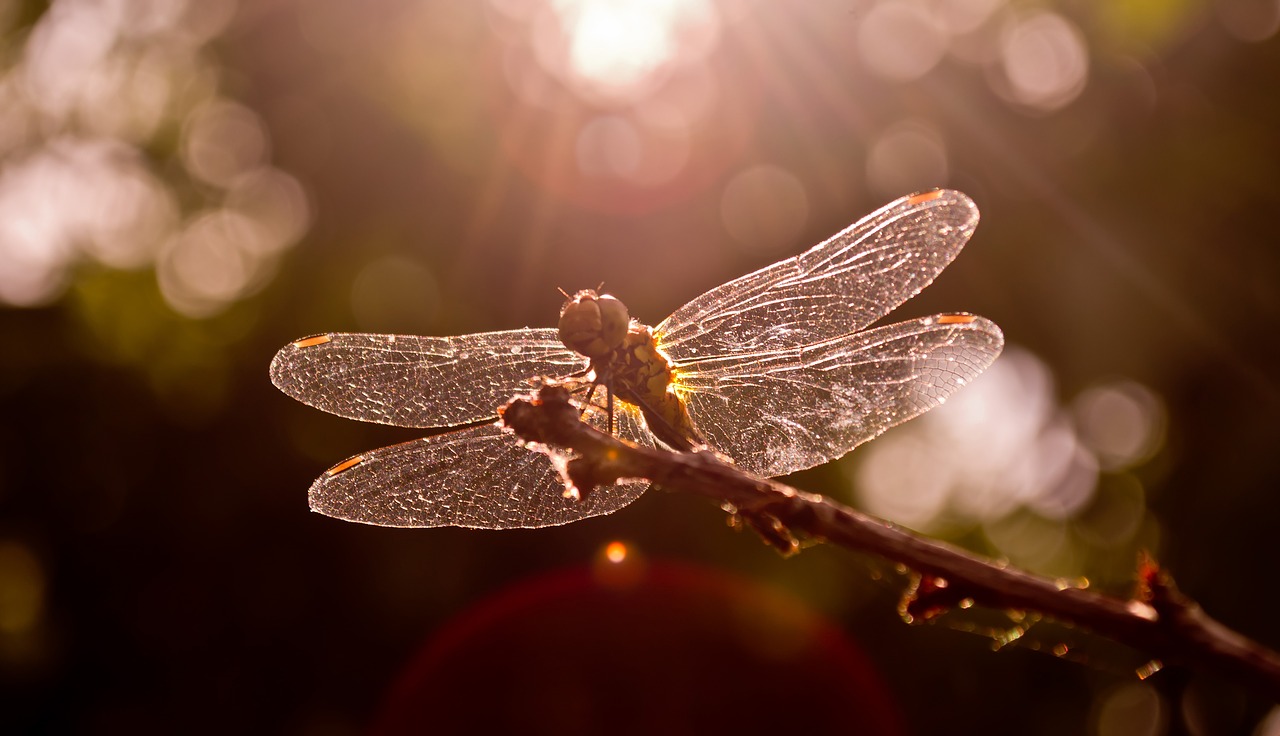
593, 324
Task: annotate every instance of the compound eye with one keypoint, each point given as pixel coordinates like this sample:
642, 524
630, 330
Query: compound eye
593, 324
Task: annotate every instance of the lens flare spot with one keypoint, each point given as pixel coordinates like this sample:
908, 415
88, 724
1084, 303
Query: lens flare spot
908, 156
1133, 710
223, 140
764, 207
1045, 62
211, 263
900, 41
1122, 422
1249, 20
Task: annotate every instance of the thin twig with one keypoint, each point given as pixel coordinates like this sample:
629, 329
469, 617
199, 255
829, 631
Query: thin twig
1159, 620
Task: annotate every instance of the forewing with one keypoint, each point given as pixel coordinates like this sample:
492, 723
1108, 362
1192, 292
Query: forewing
412, 381
835, 288
781, 411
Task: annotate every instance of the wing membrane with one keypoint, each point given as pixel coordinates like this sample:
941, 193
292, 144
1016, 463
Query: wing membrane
412, 381
835, 288
477, 477
777, 412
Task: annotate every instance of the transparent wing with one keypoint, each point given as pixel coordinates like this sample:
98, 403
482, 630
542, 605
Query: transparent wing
477, 477
835, 288
412, 381
781, 411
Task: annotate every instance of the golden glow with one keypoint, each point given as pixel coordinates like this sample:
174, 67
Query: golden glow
618, 567
1144, 610
1149, 669
615, 552
1009, 636
22, 588
955, 319
1079, 583
345, 465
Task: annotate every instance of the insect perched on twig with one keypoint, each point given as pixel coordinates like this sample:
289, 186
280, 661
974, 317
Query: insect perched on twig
775, 370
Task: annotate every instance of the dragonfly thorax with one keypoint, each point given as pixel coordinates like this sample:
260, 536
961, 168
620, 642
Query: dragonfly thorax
640, 374
592, 324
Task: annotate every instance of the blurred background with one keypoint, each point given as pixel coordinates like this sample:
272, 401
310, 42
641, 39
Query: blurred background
185, 186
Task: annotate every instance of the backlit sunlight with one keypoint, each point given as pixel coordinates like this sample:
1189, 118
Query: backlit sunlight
619, 50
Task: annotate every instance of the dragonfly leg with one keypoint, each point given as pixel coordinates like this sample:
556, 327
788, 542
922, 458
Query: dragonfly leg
602, 377
587, 401
608, 390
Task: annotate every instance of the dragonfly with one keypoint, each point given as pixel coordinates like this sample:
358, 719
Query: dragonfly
777, 370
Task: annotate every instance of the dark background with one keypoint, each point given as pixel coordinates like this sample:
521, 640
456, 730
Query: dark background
160, 571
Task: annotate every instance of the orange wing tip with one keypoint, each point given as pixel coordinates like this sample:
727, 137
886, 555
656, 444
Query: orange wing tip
956, 319
924, 197
307, 342
344, 465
